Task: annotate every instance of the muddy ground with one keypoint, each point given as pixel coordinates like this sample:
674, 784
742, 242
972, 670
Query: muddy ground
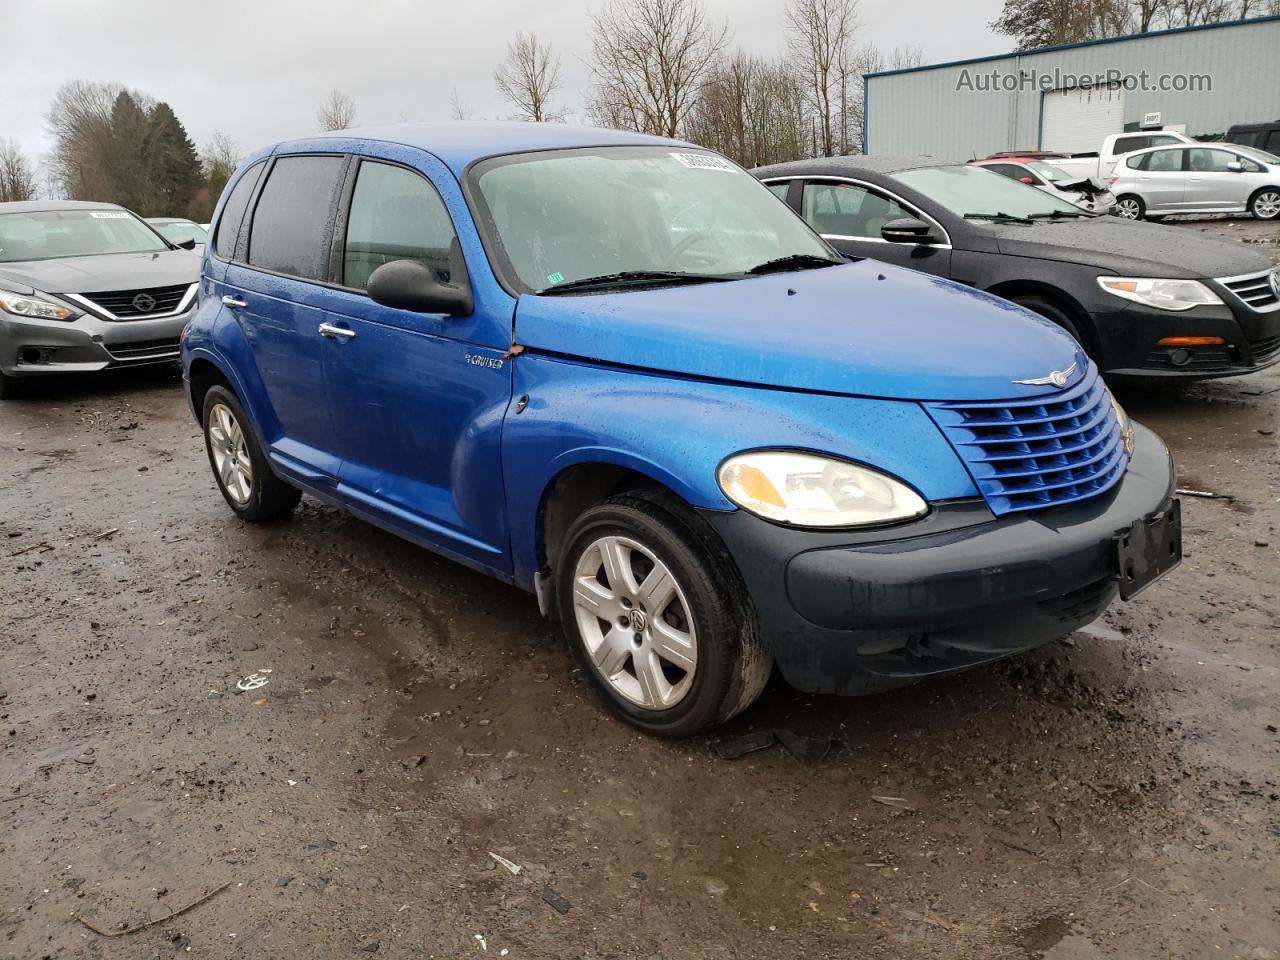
1115, 795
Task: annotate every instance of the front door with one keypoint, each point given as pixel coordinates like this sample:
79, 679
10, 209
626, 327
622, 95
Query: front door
417, 404
849, 217
1210, 184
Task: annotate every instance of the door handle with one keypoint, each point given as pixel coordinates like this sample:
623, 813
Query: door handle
330, 331
233, 303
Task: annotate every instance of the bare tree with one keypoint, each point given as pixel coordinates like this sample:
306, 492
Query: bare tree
648, 58
219, 160
529, 77
337, 111
458, 110
17, 178
79, 119
820, 37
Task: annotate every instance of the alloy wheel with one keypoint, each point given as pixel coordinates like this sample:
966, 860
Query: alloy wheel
1127, 209
230, 453
635, 622
1267, 205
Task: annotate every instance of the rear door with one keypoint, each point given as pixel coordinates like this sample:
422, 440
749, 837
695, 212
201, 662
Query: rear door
418, 400
849, 214
1210, 185
1161, 182
274, 294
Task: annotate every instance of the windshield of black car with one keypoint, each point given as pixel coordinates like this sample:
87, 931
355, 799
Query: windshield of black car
554, 217
177, 229
53, 234
965, 189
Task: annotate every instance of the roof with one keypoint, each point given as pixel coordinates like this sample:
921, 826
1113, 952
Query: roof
461, 142
1071, 46
34, 206
836, 166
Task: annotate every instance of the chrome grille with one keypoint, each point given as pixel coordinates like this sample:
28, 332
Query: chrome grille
1040, 452
121, 303
1256, 290
144, 349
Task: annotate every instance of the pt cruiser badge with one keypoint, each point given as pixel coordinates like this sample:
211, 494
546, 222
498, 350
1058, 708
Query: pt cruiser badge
1058, 378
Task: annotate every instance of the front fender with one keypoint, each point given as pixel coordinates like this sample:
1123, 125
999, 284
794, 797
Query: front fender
677, 431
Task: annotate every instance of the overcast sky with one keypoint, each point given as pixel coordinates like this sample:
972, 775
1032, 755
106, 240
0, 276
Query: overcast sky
257, 69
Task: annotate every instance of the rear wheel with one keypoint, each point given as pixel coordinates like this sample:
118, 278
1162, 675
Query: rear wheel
239, 465
659, 618
1265, 204
1130, 207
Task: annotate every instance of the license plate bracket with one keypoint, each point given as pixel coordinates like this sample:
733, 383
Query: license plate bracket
1150, 548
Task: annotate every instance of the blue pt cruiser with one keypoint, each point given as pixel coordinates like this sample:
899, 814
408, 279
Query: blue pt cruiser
618, 372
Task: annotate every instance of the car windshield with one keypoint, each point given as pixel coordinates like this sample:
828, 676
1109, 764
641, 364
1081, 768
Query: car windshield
982, 195
53, 234
660, 214
1253, 153
177, 229
1052, 174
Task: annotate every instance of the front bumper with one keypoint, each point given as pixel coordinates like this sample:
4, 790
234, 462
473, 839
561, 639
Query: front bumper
850, 613
32, 348
1130, 336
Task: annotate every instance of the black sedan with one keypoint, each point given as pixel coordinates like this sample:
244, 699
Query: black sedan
1144, 300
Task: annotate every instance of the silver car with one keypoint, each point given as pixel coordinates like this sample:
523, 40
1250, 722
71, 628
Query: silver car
178, 229
1208, 178
87, 286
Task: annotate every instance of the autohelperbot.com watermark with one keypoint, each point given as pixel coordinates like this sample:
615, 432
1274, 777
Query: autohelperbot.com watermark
1046, 81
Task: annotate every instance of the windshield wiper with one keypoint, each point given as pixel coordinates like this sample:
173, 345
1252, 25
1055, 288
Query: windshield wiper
998, 217
625, 278
1059, 214
793, 261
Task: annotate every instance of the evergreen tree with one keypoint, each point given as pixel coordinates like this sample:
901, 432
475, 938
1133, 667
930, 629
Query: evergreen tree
173, 163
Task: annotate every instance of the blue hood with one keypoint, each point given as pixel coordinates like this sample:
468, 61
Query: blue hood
864, 328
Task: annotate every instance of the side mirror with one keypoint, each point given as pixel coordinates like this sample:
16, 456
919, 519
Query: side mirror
412, 285
908, 230
1026, 180
1235, 166
186, 243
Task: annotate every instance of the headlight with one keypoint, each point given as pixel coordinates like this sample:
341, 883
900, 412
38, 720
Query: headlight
1161, 294
1122, 419
807, 490
35, 307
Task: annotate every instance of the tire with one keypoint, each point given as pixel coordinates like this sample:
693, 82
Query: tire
713, 662
1265, 204
1051, 311
10, 387
1130, 207
255, 494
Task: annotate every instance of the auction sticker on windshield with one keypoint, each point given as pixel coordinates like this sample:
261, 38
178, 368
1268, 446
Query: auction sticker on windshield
108, 215
705, 161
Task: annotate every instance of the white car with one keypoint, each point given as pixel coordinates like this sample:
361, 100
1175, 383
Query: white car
1098, 165
1205, 178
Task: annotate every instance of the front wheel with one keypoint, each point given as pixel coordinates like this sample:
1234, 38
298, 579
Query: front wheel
1051, 311
1130, 207
239, 465
1265, 204
659, 618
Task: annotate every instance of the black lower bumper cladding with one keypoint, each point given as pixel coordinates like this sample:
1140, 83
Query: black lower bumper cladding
857, 612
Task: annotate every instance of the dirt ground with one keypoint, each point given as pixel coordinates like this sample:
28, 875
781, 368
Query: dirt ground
1115, 795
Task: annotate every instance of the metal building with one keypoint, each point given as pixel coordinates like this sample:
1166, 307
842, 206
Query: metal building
1197, 80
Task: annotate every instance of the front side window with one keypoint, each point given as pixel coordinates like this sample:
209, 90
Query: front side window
1165, 161
290, 228
54, 234
1210, 161
848, 210
980, 195
555, 217
395, 215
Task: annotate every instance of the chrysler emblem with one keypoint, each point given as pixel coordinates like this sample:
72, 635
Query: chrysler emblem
144, 303
1058, 378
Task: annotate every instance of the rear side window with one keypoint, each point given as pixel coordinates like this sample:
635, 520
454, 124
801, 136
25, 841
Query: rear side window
291, 221
1129, 144
1165, 161
224, 243
395, 215
1162, 141
779, 190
